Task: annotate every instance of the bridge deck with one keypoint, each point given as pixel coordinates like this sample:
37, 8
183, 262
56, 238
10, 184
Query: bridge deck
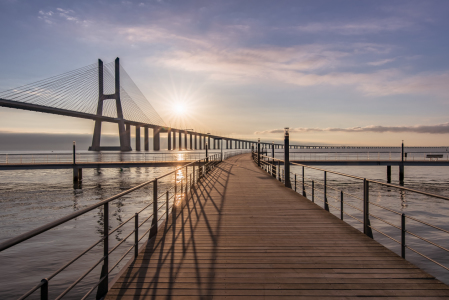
242, 235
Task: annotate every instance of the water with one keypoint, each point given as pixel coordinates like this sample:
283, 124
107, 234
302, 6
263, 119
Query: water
31, 198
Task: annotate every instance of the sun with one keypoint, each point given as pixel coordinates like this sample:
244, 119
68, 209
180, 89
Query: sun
179, 108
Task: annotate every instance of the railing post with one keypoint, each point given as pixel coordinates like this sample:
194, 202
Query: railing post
44, 289
303, 185
187, 181
193, 172
295, 182
366, 223
403, 235
401, 166
326, 206
341, 205
167, 204
103, 286
153, 229
136, 235
258, 152
313, 191
279, 171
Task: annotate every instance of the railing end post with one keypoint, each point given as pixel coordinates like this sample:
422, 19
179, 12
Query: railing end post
44, 289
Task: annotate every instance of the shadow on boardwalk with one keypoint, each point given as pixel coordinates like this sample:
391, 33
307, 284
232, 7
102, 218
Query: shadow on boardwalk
176, 242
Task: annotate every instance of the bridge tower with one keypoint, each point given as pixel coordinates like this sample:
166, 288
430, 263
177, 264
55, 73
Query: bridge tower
125, 143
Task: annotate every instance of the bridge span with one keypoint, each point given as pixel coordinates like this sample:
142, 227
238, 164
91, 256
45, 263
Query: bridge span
240, 234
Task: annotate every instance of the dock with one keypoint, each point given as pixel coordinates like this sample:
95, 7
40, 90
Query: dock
241, 234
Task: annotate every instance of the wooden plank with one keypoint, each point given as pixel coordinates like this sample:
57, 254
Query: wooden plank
241, 234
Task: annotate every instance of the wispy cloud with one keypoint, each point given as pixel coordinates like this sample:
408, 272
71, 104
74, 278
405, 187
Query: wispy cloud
429, 129
381, 62
356, 28
60, 14
311, 65
217, 53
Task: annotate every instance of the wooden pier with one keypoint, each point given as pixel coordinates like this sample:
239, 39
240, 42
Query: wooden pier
242, 235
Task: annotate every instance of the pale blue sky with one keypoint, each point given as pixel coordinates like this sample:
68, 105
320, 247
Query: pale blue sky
244, 67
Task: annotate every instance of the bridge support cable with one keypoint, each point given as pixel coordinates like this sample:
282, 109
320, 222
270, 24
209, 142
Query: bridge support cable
82, 93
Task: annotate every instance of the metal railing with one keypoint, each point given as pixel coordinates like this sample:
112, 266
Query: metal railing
367, 156
169, 198
55, 158
339, 200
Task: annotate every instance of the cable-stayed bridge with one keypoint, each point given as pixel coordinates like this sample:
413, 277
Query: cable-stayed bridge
106, 93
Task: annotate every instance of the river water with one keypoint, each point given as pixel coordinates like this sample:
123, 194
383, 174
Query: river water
31, 198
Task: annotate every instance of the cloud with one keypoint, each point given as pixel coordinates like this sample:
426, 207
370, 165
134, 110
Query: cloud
429, 129
46, 16
51, 17
310, 65
356, 28
217, 53
381, 62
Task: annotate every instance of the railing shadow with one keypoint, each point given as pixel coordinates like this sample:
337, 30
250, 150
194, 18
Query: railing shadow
176, 242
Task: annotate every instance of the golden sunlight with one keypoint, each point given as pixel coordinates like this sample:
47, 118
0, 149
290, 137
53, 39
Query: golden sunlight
179, 108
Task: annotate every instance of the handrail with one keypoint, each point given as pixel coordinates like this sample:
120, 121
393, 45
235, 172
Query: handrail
361, 178
269, 164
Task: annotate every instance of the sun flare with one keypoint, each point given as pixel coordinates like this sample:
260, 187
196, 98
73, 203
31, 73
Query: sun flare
179, 108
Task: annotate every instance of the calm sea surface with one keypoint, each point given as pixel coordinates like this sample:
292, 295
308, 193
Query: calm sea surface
31, 198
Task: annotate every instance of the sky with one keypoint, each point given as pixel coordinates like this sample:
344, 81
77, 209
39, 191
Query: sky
335, 72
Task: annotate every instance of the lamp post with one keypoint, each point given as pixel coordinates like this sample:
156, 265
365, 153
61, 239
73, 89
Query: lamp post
287, 158
258, 152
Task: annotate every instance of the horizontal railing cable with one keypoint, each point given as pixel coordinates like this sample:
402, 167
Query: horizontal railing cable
200, 168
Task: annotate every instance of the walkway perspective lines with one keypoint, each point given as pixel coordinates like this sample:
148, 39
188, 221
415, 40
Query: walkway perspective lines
243, 235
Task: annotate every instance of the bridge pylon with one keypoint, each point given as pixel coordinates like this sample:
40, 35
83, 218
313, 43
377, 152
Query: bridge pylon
125, 143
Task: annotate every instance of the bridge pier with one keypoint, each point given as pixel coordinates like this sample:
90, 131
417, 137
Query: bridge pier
77, 174
137, 138
389, 174
128, 134
191, 147
180, 140
196, 141
185, 140
157, 138
146, 139
125, 140
174, 140
208, 142
169, 139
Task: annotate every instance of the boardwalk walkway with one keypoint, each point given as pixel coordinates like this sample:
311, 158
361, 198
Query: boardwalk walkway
242, 235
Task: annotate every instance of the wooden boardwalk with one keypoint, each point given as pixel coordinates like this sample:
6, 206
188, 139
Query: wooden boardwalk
243, 235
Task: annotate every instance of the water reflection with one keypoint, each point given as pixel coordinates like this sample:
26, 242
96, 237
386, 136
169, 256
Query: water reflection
404, 204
